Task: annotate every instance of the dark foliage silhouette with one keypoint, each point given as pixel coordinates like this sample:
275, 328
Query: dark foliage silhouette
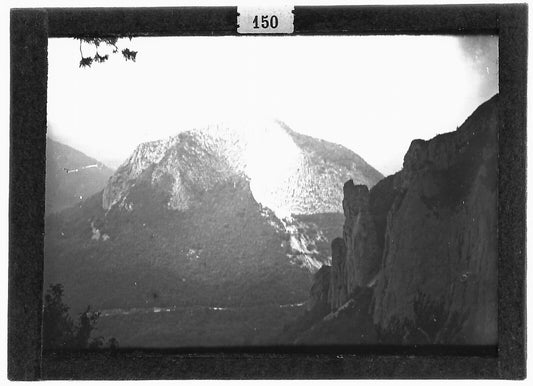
86, 324
98, 43
129, 55
397, 332
434, 323
113, 343
437, 323
59, 330
58, 327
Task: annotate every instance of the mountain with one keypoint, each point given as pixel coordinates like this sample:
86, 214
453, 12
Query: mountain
417, 260
225, 216
288, 172
85, 177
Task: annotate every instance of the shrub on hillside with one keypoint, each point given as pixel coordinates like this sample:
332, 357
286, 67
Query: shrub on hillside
434, 323
60, 331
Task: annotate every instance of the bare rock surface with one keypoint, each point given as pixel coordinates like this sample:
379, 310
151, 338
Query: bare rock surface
290, 173
441, 238
320, 288
424, 243
356, 258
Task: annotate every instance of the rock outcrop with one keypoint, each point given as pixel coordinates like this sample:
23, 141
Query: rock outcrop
144, 156
320, 289
338, 289
363, 255
381, 198
425, 241
356, 258
441, 237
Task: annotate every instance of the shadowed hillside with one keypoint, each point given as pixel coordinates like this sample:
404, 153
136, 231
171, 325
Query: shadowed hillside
84, 176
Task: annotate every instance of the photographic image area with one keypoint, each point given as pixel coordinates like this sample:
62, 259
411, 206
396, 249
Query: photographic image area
252, 191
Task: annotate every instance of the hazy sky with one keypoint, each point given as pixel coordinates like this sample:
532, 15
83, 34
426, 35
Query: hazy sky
372, 94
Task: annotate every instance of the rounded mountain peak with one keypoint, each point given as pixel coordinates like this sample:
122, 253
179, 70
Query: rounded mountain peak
288, 172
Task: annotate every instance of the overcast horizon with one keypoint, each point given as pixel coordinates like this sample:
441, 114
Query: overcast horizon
372, 94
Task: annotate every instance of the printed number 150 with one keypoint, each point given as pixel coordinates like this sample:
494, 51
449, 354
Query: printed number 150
265, 22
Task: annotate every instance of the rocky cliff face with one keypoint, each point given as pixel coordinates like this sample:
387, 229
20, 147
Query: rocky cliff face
338, 289
144, 156
360, 236
425, 241
441, 238
320, 289
356, 258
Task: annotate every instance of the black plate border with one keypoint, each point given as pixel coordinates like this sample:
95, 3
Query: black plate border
30, 30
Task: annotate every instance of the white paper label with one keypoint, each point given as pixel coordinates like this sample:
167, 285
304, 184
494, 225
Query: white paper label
264, 20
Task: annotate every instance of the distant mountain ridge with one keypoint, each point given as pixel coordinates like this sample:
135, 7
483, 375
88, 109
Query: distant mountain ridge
67, 183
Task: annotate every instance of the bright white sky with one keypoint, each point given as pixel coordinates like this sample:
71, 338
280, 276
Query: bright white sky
372, 94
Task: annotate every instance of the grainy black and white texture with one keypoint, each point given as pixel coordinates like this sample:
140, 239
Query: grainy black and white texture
30, 30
